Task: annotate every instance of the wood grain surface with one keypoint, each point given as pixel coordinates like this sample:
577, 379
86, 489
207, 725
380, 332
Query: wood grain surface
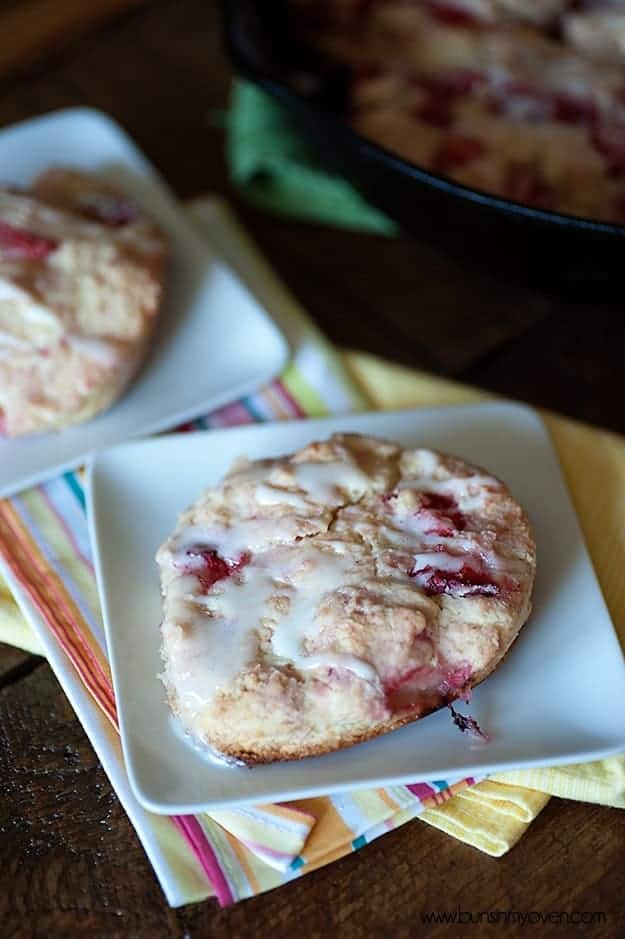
30, 28
70, 864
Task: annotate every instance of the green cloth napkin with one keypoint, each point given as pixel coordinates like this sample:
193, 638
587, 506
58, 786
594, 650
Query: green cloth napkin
274, 169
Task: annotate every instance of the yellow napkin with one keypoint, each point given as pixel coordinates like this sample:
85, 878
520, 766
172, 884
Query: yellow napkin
14, 630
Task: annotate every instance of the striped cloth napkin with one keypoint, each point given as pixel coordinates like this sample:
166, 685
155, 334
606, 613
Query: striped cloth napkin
237, 853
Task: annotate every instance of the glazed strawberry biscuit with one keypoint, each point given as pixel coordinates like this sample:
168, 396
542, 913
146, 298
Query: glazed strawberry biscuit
81, 271
320, 599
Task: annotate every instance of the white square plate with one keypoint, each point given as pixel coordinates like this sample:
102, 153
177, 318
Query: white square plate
558, 697
213, 342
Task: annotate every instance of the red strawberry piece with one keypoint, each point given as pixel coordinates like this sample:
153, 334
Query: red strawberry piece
457, 150
457, 82
609, 140
426, 687
210, 567
437, 500
451, 14
441, 91
446, 505
462, 81
410, 690
21, 245
435, 109
466, 582
574, 109
456, 680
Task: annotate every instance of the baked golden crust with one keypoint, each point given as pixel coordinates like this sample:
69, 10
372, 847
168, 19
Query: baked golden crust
81, 275
324, 598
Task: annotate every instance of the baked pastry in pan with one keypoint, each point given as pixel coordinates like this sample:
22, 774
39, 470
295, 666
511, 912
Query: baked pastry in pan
523, 99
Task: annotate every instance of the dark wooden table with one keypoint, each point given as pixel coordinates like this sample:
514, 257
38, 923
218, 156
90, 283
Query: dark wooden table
70, 863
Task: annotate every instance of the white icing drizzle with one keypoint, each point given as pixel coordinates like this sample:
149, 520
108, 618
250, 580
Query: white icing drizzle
428, 460
218, 641
316, 481
99, 349
25, 310
35, 316
220, 635
36, 313
504, 565
409, 529
257, 472
325, 573
252, 535
458, 549
32, 311
322, 480
13, 342
441, 560
453, 551
271, 495
242, 599
459, 487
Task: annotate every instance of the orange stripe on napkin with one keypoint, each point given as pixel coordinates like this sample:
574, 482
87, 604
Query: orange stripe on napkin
50, 596
330, 834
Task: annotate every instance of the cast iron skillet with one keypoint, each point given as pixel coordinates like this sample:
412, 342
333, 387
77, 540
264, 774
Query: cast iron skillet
533, 245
